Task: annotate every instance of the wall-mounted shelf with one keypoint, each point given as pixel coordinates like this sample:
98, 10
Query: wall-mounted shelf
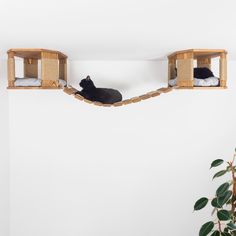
184, 62
53, 68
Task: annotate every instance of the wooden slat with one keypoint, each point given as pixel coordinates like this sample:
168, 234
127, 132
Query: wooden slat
118, 104
78, 96
145, 96
154, 93
223, 70
97, 104
136, 99
210, 53
85, 100
127, 101
11, 71
185, 72
106, 105
70, 90
165, 90
34, 53
50, 69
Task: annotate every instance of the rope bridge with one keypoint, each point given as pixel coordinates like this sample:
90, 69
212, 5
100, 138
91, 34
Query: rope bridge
71, 91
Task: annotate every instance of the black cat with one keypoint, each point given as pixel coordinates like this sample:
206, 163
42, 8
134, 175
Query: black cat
103, 95
202, 73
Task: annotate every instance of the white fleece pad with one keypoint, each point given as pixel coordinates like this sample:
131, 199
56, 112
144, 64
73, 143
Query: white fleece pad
62, 82
209, 82
34, 82
28, 82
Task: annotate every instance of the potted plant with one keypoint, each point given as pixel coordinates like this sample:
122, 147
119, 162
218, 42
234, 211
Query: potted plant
223, 203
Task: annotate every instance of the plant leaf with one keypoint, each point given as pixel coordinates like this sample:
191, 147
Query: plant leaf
201, 203
231, 226
224, 198
225, 234
222, 189
220, 173
233, 233
226, 230
216, 163
223, 215
206, 228
216, 233
215, 203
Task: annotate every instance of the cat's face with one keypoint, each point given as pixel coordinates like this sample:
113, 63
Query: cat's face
86, 83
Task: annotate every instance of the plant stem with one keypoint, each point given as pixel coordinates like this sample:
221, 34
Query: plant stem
219, 224
231, 165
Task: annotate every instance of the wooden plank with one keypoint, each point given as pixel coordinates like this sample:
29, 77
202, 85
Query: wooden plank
145, 96
97, 104
127, 101
136, 99
11, 70
185, 72
118, 104
223, 70
165, 90
106, 105
211, 53
81, 98
154, 93
50, 70
85, 100
34, 53
70, 90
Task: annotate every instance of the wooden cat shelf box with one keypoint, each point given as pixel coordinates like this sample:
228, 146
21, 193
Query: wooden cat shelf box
184, 62
53, 69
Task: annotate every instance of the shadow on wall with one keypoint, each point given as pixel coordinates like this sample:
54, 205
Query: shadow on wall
130, 77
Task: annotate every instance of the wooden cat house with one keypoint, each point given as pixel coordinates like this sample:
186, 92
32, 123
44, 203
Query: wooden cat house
183, 61
53, 69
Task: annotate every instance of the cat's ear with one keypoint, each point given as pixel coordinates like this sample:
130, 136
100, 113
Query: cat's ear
88, 77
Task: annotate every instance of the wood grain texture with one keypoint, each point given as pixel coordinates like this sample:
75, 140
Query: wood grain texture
185, 72
34, 53
210, 53
204, 62
223, 70
50, 69
11, 71
31, 68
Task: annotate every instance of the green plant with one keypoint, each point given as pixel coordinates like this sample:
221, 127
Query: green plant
223, 203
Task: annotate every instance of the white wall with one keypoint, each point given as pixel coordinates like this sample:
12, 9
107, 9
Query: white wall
4, 155
118, 29
77, 169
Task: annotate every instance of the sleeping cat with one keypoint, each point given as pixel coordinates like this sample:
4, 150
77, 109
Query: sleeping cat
103, 95
201, 73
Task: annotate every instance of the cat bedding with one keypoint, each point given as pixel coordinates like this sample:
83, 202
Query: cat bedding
209, 82
33, 82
